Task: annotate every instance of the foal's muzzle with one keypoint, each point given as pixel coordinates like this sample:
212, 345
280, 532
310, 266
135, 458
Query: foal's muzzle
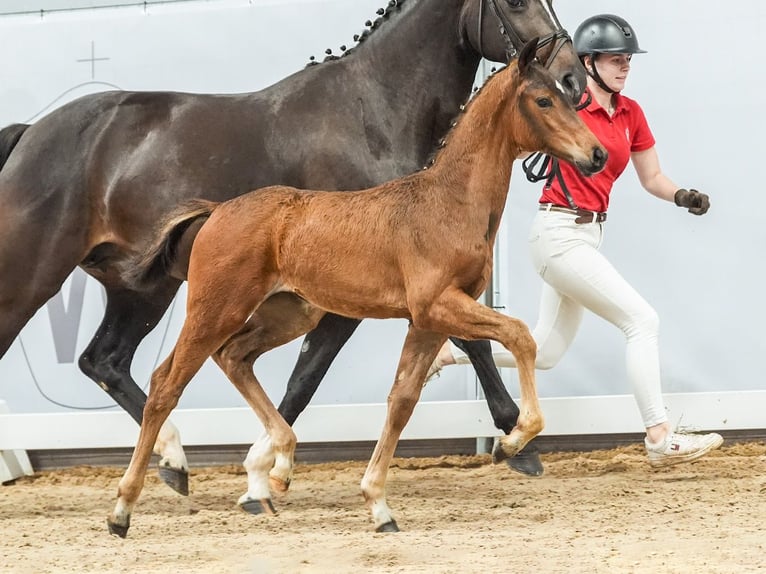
596, 162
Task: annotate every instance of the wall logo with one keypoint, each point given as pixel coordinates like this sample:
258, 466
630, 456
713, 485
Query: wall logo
65, 318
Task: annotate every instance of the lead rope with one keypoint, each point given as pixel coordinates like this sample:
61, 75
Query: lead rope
540, 166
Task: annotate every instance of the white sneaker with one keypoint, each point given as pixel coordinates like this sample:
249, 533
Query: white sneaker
434, 371
678, 448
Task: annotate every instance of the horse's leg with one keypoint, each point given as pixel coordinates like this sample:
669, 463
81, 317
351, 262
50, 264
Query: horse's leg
419, 351
210, 321
128, 318
15, 312
501, 405
457, 313
168, 382
280, 319
320, 347
37, 254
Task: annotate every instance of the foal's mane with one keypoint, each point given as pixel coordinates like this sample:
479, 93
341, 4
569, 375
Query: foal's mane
394, 7
460, 116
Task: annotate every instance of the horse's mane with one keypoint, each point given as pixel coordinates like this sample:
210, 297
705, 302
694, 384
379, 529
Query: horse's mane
384, 14
460, 115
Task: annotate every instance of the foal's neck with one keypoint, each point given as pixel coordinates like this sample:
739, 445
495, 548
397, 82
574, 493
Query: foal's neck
477, 160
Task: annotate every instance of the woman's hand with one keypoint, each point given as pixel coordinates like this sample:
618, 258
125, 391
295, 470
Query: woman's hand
697, 203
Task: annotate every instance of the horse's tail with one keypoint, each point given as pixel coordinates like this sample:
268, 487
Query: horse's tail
169, 254
9, 137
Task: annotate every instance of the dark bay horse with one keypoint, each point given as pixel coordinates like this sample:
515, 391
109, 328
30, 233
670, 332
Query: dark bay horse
425, 243
89, 184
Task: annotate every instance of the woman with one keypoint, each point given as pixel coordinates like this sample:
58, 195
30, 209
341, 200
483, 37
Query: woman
567, 233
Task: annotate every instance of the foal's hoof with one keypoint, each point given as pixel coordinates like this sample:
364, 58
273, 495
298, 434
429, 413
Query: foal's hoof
278, 485
499, 454
175, 478
256, 507
527, 462
388, 527
118, 529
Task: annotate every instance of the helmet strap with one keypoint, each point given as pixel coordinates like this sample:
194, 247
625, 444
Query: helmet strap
593, 73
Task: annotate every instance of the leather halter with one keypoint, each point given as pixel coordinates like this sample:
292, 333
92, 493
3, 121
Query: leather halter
538, 166
512, 40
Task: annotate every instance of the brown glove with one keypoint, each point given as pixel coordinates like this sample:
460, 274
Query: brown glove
697, 203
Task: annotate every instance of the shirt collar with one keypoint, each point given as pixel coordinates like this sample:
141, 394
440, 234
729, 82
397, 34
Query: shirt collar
594, 106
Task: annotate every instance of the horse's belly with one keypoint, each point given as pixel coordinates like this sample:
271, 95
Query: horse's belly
357, 294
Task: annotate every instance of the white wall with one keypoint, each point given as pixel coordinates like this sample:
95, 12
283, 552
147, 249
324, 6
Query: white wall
702, 274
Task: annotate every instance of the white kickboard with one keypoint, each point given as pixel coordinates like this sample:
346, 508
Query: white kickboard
13, 463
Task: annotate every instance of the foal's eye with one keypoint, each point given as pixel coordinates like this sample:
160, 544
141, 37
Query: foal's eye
544, 102
516, 3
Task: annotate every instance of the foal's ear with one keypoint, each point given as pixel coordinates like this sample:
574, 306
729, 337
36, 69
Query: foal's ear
527, 55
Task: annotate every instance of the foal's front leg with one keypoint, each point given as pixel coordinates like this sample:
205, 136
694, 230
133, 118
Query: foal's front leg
457, 313
419, 351
502, 407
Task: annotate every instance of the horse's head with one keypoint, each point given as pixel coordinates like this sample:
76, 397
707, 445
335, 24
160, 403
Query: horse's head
546, 120
496, 29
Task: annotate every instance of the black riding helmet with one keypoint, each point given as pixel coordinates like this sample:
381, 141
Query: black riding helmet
605, 34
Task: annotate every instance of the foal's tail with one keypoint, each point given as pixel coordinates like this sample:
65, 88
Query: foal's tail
9, 137
169, 254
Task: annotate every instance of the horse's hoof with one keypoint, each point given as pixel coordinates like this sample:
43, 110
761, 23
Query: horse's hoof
118, 529
278, 485
388, 527
175, 478
258, 507
527, 462
498, 454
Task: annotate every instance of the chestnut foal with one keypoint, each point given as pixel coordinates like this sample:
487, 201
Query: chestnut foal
419, 247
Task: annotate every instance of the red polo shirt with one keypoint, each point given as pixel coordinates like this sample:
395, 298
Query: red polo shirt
625, 132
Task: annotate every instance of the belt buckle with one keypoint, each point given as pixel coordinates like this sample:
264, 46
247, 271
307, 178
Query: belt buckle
591, 217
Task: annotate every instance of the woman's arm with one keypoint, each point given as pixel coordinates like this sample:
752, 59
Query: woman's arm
647, 165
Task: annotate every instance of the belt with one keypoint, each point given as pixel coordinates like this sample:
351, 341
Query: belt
583, 215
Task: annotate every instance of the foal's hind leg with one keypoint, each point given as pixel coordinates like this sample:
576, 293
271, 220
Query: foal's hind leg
167, 384
128, 318
210, 321
280, 319
419, 351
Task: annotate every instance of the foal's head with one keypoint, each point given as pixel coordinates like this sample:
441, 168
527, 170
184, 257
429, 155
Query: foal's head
544, 120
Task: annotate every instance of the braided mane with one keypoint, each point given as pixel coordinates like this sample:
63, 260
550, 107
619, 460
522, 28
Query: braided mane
384, 14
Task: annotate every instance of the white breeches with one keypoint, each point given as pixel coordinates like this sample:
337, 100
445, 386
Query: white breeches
576, 277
